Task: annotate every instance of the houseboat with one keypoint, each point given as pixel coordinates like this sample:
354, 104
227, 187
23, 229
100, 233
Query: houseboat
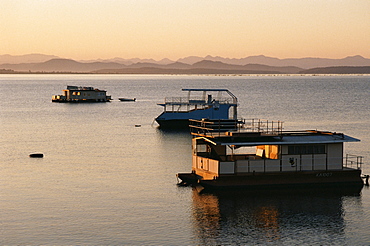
78, 94
213, 104
260, 155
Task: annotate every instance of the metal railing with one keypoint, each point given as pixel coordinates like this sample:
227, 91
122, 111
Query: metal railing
353, 161
219, 127
187, 100
263, 126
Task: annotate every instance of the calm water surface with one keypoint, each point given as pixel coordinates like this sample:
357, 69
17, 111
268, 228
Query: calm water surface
104, 181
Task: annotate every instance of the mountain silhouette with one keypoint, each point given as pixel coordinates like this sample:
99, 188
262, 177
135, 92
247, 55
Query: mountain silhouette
188, 65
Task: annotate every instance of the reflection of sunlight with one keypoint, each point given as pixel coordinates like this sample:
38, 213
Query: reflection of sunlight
267, 218
214, 221
173, 135
206, 212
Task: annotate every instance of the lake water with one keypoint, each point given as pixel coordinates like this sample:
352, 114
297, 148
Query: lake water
104, 181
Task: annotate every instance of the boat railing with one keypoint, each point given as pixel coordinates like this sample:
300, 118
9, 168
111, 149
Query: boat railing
196, 101
353, 161
213, 128
263, 126
217, 128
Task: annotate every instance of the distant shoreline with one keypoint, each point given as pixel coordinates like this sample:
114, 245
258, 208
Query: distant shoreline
195, 74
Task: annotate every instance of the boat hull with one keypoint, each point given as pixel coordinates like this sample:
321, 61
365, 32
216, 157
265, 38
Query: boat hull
127, 99
267, 181
173, 124
180, 119
36, 155
80, 101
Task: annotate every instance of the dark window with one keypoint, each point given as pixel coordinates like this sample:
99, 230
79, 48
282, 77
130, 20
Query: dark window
306, 149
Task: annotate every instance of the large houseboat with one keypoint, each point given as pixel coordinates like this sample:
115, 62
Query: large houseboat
260, 155
77, 94
213, 104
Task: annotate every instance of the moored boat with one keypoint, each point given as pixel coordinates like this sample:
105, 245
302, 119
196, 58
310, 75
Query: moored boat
79, 94
212, 104
36, 155
263, 156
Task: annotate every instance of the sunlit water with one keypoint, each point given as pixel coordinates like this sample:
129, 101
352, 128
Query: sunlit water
104, 181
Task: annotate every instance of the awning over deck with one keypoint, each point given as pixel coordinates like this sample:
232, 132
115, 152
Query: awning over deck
283, 139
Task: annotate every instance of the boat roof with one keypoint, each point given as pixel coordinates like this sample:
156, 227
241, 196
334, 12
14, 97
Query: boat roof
306, 137
82, 88
205, 89
189, 100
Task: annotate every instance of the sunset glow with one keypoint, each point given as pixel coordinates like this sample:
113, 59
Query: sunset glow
91, 29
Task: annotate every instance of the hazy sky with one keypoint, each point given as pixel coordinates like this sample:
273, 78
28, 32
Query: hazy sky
90, 29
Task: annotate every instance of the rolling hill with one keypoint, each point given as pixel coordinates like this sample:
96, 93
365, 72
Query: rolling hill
189, 65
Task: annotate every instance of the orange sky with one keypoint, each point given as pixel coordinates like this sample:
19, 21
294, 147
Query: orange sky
91, 29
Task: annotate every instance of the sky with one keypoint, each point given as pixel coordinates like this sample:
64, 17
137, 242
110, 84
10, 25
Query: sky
157, 29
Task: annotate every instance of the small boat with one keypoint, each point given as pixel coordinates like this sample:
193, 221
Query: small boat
122, 99
212, 104
261, 156
79, 94
36, 155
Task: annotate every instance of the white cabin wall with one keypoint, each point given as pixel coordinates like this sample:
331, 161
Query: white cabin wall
227, 167
290, 162
257, 166
306, 163
272, 165
205, 164
284, 149
320, 162
330, 160
335, 155
242, 166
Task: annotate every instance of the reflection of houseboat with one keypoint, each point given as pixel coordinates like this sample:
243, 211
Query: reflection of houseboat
82, 94
272, 218
199, 104
262, 155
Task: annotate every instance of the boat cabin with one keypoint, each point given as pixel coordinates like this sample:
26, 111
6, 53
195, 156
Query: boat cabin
82, 94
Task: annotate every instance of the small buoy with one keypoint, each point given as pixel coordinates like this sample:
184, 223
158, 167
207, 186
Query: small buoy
138, 125
37, 155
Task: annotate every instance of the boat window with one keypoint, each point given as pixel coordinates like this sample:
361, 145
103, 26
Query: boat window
306, 149
248, 150
201, 148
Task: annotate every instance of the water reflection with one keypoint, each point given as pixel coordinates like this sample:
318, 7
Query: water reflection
237, 218
173, 132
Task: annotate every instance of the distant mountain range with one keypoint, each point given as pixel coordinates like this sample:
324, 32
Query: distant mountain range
38, 63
